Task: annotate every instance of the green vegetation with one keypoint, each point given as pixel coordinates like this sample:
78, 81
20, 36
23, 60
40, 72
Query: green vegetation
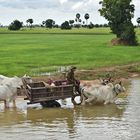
39, 50
138, 21
44, 30
15, 25
30, 22
65, 26
119, 13
49, 23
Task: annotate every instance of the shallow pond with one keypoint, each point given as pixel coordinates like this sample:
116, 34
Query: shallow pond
98, 122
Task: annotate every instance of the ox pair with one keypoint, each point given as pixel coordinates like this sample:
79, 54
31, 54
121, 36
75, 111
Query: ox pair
102, 93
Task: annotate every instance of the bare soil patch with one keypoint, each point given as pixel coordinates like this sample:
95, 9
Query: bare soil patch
118, 73
118, 41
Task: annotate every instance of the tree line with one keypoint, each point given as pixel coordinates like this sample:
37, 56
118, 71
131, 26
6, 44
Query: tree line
118, 13
50, 23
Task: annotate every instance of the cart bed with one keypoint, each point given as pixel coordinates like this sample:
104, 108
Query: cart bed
38, 92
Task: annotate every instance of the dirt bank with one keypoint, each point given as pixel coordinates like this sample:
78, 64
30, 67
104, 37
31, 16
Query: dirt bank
123, 73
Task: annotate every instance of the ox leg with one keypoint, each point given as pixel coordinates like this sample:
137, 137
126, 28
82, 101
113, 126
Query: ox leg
6, 104
83, 100
14, 103
89, 100
113, 101
106, 102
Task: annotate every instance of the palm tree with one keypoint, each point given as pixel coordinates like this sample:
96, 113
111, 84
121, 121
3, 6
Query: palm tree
78, 20
30, 21
138, 21
86, 17
71, 22
78, 16
43, 23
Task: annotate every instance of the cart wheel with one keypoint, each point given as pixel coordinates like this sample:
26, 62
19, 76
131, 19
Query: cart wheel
74, 102
52, 103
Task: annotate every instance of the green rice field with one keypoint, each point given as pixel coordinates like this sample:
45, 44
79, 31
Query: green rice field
43, 50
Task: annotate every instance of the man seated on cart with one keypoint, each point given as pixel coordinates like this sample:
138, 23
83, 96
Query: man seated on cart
72, 80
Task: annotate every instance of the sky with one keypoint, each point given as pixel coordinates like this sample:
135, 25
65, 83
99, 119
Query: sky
59, 10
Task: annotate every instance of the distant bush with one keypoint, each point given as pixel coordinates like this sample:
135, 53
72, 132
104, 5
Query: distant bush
56, 26
96, 25
91, 26
77, 25
106, 25
15, 25
65, 25
49, 23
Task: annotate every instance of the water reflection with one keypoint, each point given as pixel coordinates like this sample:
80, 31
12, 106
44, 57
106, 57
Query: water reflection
64, 121
118, 122
12, 116
15, 115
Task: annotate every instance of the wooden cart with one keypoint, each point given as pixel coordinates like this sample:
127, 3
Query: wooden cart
38, 92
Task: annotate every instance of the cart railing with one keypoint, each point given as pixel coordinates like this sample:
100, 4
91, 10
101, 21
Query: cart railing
38, 92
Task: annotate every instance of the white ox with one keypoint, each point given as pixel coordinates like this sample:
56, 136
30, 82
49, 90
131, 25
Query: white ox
102, 93
2, 77
9, 87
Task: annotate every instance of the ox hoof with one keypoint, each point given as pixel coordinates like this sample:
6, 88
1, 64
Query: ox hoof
82, 103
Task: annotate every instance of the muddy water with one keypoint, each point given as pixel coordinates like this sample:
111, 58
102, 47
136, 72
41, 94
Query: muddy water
110, 122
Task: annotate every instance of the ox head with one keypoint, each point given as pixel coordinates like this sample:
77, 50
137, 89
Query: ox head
26, 79
118, 88
22, 82
106, 81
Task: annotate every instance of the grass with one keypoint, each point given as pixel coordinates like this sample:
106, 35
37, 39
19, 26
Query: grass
41, 50
39, 30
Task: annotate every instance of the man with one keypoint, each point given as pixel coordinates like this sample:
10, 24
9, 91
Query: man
72, 80
70, 75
